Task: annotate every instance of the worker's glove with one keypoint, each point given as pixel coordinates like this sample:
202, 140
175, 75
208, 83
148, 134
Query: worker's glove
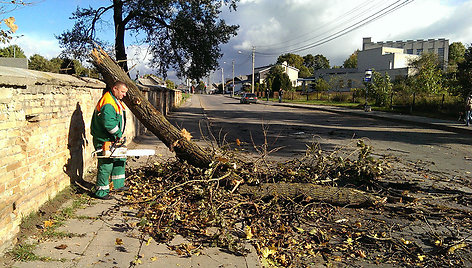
120, 141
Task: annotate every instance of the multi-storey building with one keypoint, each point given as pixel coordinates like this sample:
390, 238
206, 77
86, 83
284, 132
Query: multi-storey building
389, 57
414, 47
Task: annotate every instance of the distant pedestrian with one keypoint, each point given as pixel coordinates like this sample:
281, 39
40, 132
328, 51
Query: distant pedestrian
468, 108
281, 93
267, 94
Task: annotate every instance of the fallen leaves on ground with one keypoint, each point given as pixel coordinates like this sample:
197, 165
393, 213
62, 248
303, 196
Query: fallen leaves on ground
204, 206
61, 246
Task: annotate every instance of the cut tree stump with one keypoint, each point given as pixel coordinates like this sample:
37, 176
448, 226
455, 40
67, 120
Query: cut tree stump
328, 194
148, 115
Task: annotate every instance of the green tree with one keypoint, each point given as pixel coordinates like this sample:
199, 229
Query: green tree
291, 59
170, 84
304, 72
55, 64
321, 85
12, 51
335, 82
464, 72
456, 54
39, 63
380, 88
351, 62
183, 35
309, 61
277, 79
73, 66
201, 87
428, 77
316, 62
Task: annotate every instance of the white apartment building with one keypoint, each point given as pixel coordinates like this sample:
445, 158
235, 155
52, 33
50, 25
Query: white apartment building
384, 57
414, 47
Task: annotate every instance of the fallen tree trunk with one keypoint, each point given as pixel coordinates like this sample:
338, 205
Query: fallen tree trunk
332, 195
148, 115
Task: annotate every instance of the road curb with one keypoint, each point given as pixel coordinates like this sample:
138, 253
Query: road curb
423, 121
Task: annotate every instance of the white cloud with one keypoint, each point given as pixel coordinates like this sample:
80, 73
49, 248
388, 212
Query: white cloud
139, 58
277, 27
33, 44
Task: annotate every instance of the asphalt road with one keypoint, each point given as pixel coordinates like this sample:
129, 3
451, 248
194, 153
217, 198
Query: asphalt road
291, 129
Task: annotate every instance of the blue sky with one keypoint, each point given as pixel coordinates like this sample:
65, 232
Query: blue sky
273, 27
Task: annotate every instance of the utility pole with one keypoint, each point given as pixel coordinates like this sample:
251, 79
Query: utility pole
253, 59
223, 80
208, 84
232, 94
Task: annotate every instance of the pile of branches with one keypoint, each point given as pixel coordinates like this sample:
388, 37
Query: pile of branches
238, 202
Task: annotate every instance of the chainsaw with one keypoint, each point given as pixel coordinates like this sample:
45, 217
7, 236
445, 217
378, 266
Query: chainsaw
117, 149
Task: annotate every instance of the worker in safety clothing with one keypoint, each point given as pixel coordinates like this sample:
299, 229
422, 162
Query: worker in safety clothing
108, 125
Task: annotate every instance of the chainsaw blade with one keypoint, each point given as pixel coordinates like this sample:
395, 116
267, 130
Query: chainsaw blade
123, 153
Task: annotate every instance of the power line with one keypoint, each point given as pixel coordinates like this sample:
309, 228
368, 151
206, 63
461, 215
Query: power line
338, 21
373, 17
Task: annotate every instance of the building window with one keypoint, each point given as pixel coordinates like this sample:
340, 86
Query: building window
409, 51
419, 51
441, 51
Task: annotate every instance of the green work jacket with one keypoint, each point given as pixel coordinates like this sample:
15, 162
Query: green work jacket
109, 119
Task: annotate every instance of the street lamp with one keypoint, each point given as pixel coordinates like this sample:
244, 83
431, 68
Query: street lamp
14, 47
232, 92
223, 80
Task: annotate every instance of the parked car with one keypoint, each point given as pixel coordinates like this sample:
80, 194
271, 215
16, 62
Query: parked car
248, 98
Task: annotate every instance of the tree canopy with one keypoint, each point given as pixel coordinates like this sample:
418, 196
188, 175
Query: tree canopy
351, 62
39, 63
316, 62
428, 78
276, 79
182, 35
380, 88
321, 85
456, 53
12, 51
464, 72
291, 59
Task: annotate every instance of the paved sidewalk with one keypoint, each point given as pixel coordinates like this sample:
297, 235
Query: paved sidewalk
107, 236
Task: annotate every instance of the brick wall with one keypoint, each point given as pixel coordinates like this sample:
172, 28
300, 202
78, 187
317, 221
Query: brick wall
45, 140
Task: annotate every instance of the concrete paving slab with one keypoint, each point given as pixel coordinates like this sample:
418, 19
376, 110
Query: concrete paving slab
42, 264
155, 254
98, 208
105, 250
81, 226
75, 247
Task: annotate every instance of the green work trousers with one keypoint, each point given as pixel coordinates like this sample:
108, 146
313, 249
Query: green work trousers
109, 167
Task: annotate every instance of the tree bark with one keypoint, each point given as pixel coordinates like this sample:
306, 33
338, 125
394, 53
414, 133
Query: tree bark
332, 195
120, 49
148, 115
